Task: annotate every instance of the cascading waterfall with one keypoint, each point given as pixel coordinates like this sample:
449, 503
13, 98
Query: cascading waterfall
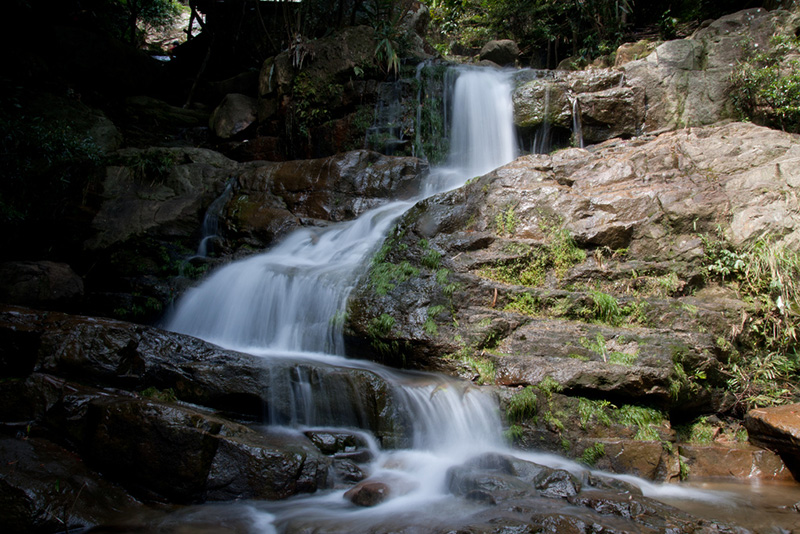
283, 304
288, 299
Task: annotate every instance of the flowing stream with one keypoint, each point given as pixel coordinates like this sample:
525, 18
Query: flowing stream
282, 304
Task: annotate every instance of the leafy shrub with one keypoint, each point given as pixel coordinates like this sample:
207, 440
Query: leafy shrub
767, 88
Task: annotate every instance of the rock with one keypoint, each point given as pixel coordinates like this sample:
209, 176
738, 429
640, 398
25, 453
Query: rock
45, 488
330, 442
502, 52
170, 201
42, 284
645, 459
113, 353
652, 196
235, 114
741, 462
687, 82
628, 52
368, 493
374, 491
272, 196
187, 455
777, 428
608, 106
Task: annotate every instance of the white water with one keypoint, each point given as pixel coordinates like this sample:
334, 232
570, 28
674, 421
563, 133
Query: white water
283, 304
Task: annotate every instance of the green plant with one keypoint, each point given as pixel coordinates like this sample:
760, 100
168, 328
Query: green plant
522, 405
430, 322
605, 307
594, 409
642, 418
600, 347
513, 434
166, 395
592, 454
548, 386
482, 367
701, 431
506, 221
431, 259
385, 275
524, 303
151, 165
766, 86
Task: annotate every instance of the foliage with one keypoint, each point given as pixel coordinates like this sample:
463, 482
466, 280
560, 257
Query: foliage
599, 347
592, 454
557, 255
482, 367
513, 434
506, 221
765, 274
766, 87
152, 165
385, 275
522, 405
605, 307
524, 303
386, 18
47, 169
594, 409
166, 395
699, 431
642, 418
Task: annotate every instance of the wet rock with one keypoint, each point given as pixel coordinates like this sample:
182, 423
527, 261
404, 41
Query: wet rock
41, 284
45, 488
645, 459
502, 52
557, 484
347, 472
332, 442
186, 455
777, 428
743, 462
235, 114
376, 490
113, 353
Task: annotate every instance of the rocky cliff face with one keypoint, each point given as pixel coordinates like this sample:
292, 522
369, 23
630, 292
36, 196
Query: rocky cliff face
588, 269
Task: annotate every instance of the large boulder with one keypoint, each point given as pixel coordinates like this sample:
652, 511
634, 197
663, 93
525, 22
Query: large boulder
777, 428
40, 284
273, 197
684, 82
160, 191
123, 355
503, 52
687, 82
235, 114
598, 101
45, 488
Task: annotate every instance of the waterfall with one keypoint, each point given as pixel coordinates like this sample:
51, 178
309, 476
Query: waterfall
288, 299
577, 126
211, 221
283, 304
